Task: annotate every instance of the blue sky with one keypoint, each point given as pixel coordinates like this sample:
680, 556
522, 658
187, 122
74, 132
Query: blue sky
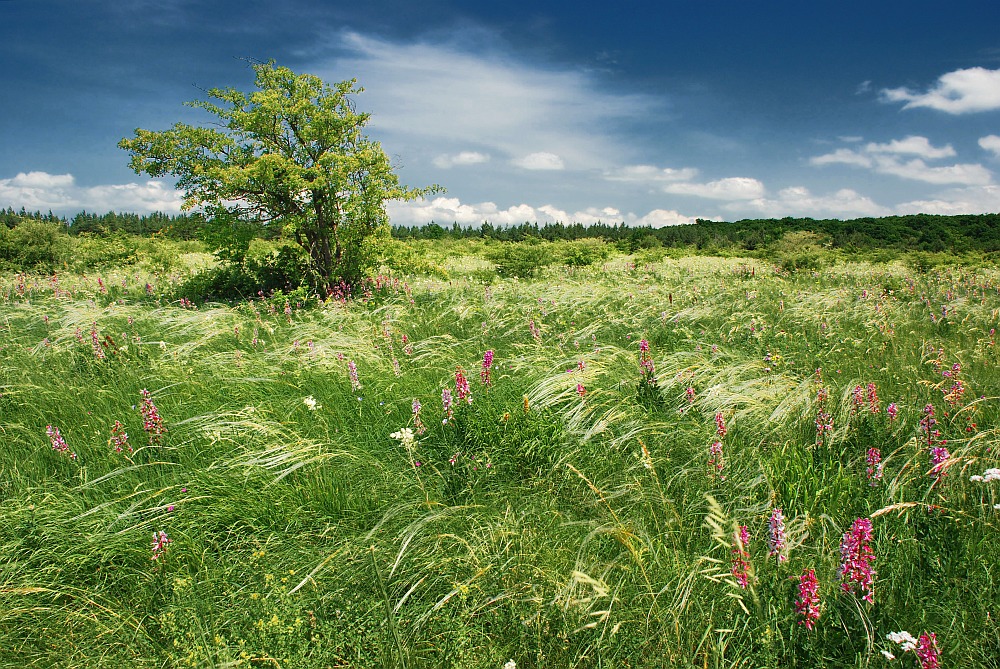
644, 112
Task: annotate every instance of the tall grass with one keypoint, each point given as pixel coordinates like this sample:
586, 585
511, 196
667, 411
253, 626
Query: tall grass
568, 516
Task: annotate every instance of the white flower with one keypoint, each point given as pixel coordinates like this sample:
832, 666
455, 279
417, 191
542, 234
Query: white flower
311, 403
904, 639
510, 665
888, 655
406, 437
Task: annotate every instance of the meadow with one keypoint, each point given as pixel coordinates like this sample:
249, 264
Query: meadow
646, 461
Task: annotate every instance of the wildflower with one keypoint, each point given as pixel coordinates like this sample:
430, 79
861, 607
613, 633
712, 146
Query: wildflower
535, 332
776, 535
875, 466
580, 390
824, 421
740, 567
904, 640
152, 423
352, 370
311, 403
484, 374
406, 437
510, 664
95, 341
446, 404
462, 386
59, 444
119, 438
807, 603
858, 397
892, 411
992, 474
856, 559
720, 425
872, 397
160, 543
647, 369
927, 651
689, 393
417, 423
715, 458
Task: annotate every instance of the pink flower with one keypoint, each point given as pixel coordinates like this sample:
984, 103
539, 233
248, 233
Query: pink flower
776, 535
856, 558
446, 404
580, 390
119, 438
875, 466
352, 370
484, 374
807, 603
892, 411
927, 652
740, 567
160, 543
720, 425
716, 459
59, 444
151, 421
872, 396
462, 389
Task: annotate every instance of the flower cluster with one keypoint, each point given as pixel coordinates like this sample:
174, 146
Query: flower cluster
486, 371
716, 460
875, 465
992, 474
925, 648
417, 423
405, 437
824, 421
935, 444
119, 438
776, 535
807, 603
740, 565
892, 411
856, 558
59, 444
160, 543
352, 370
647, 370
462, 390
152, 423
447, 405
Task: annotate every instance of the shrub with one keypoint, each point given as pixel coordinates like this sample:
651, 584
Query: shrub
519, 259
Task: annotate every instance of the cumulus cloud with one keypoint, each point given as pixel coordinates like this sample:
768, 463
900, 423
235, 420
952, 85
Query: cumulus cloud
541, 160
991, 143
914, 145
650, 174
446, 210
446, 161
888, 159
60, 193
799, 201
965, 91
730, 188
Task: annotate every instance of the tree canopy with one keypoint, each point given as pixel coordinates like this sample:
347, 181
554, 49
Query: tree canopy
293, 154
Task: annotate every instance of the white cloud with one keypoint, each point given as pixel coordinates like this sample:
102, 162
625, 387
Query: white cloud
843, 157
991, 143
541, 160
650, 174
798, 201
446, 161
973, 200
886, 159
447, 210
455, 94
60, 193
913, 145
730, 188
963, 91
918, 170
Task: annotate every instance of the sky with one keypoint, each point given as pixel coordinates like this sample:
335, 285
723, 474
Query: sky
647, 112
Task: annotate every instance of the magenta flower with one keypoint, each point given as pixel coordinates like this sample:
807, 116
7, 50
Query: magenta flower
151, 421
462, 390
875, 466
856, 558
119, 438
580, 390
776, 535
927, 651
720, 425
740, 565
892, 411
485, 373
716, 459
160, 543
352, 370
647, 369
447, 406
807, 603
872, 396
59, 444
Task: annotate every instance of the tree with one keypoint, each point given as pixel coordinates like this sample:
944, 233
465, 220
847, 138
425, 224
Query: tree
291, 154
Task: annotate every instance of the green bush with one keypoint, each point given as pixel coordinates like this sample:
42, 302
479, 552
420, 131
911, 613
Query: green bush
33, 246
584, 252
520, 259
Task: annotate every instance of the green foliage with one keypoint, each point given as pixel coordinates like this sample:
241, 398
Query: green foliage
522, 260
293, 156
33, 245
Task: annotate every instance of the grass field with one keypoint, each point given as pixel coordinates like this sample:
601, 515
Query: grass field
293, 490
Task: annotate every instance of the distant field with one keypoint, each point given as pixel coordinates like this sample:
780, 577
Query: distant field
308, 485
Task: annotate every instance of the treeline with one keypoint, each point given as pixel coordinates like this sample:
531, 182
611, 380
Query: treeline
921, 232
180, 226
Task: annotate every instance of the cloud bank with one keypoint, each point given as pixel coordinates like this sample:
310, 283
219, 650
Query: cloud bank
975, 89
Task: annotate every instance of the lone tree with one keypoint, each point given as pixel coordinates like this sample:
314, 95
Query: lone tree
290, 154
